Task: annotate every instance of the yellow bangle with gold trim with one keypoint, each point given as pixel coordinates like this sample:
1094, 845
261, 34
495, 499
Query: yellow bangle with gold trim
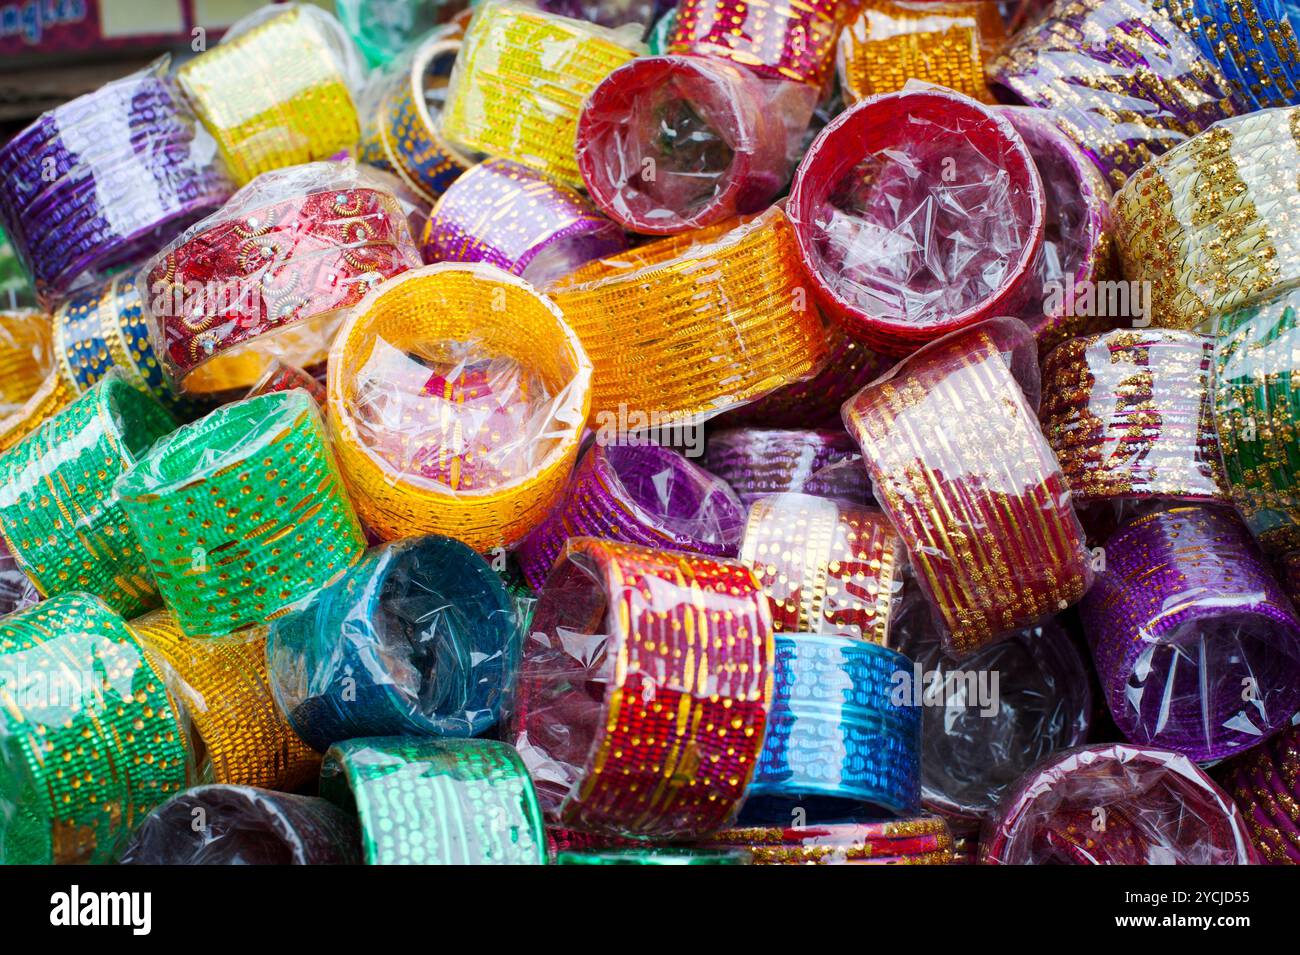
33, 385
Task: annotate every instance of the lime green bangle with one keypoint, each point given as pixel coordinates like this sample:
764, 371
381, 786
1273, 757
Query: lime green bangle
657, 856
242, 514
90, 740
59, 515
437, 802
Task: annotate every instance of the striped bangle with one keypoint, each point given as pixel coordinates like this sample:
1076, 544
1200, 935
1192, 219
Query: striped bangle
33, 388
242, 514
79, 775
922, 840
681, 647
757, 462
826, 567
639, 494
960, 466
519, 83
437, 802
1263, 784
419, 416
242, 739
59, 513
696, 323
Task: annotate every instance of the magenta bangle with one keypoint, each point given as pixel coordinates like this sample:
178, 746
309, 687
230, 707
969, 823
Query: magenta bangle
1264, 783
507, 215
1185, 603
638, 494
757, 462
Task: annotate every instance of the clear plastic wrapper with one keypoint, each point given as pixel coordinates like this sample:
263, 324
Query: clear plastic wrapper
244, 825
922, 840
1195, 643
757, 462
32, 385
384, 29
457, 395
634, 658
918, 213
16, 588
418, 639
639, 494
282, 377
1116, 804
958, 462
1263, 781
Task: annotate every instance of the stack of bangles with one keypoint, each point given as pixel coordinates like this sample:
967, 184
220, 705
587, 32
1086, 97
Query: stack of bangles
1129, 415
275, 95
1204, 226
130, 140
242, 514
713, 146
826, 567
652, 725
639, 494
923, 840
33, 387
457, 395
918, 213
757, 462
471, 801
519, 83
695, 323
1265, 782
89, 736
960, 466
59, 513
842, 743
1186, 614
656, 855
506, 215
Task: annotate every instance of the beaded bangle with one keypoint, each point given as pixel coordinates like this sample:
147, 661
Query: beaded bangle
519, 83
242, 514
840, 742
1129, 415
90, 740
656, 855
695, 323
240, 737
418, 639
457, 395
679, 649
275, 95
877, 176
639, 494
59, 514
1183, 617
1263, 782
923, 840
960, 466
437, 802
32, 386
757, 462
826, 567
242, 825
506, 215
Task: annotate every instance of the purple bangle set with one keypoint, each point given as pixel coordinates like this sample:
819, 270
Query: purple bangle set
758, 462
1196, 645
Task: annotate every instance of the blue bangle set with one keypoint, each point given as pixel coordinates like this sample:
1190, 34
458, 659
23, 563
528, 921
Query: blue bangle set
1252, 41
419, 638
839, 746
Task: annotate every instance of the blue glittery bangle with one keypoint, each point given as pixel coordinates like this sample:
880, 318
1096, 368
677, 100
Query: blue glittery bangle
419, 638
1222, 30
842, 742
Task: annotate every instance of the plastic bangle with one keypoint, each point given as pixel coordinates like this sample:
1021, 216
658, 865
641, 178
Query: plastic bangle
1253, 42
757, 462
441, 471
920, 840
437, 802
242, 514
82, 759
656, 856
1263, 784
34, 387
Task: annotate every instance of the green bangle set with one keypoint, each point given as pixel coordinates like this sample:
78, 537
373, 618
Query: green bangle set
59, 514
90, 740
437, 802
242, 514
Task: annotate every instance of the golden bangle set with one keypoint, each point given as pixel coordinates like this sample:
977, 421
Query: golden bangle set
33, 386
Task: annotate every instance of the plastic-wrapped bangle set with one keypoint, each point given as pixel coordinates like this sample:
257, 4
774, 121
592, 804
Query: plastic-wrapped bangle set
34, 387
1263, 783
923, 840
757, 462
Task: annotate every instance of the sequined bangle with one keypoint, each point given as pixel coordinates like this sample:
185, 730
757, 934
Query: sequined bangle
437, 802
656, 855
421, 441
639, 494
91, 739
275, 95
922, 840
1263, 782
960, 466
695, 323
679, 648
242, 514
757, 462
243, 825
241, 737
59, 514
519, 83
1129, 415
33, 388
506, 215
826, 567
1184, 615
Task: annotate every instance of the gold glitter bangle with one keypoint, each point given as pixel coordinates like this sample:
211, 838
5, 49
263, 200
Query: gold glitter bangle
923, 840
696, 323
33, 386
457, 395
